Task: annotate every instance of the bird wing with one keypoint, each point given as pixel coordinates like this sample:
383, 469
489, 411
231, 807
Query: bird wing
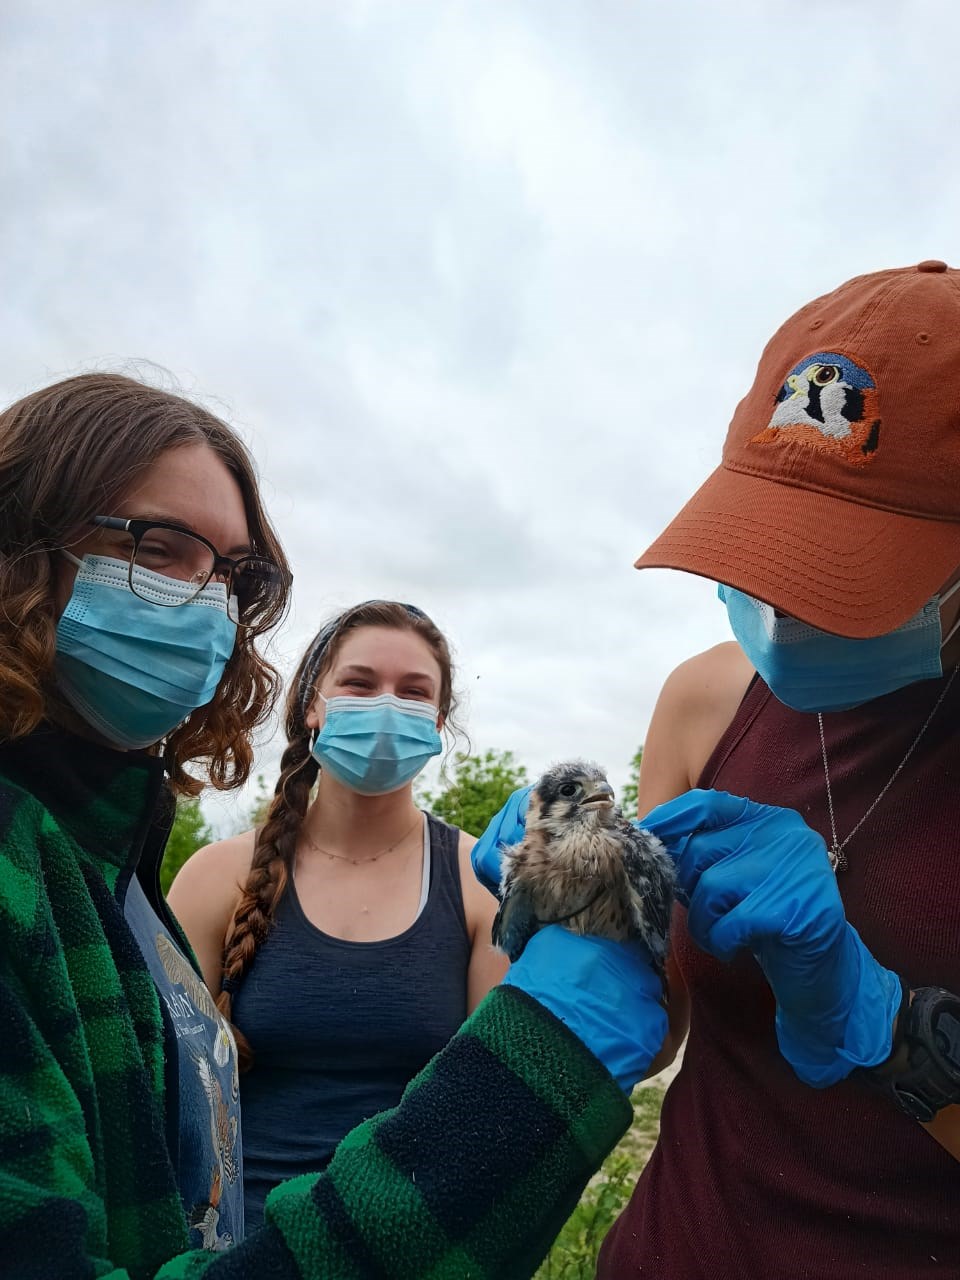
179, 970
651, 874
516, 920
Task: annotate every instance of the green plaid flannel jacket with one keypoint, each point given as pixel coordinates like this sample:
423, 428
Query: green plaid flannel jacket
471, 1175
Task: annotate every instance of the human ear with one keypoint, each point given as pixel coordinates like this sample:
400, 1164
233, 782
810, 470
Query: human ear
314, 716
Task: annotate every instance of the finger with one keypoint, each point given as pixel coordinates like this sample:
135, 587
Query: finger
505, 827
512, 816
698, 810
745, 924
718, 896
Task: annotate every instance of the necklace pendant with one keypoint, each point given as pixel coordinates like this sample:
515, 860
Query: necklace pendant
838, 859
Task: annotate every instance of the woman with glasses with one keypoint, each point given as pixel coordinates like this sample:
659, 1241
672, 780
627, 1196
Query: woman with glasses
138, 573
348, 935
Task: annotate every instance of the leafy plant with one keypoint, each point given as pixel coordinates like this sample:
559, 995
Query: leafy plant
259, 805
574, 1252
189, 833
628, 796
479, 787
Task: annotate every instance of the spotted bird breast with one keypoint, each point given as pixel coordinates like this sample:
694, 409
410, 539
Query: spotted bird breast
581, 876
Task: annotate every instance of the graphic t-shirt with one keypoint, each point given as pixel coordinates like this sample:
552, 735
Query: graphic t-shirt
210, 1171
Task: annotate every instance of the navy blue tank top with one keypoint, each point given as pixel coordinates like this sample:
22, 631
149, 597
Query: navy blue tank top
339, 1028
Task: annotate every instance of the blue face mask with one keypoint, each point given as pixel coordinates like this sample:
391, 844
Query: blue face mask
376, 745
132, 668
811, 670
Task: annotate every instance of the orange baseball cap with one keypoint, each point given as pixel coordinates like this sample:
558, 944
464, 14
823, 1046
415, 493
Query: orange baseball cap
838, 497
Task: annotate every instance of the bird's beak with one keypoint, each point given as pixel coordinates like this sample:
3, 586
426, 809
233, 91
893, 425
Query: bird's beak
601, 797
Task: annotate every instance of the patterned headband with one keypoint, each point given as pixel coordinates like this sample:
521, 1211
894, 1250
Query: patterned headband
320, 645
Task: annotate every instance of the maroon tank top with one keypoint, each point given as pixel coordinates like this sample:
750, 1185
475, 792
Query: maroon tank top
755, 1175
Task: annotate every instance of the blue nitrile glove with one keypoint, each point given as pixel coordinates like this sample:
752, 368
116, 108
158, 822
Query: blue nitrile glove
756, 877
606, 992
505, 827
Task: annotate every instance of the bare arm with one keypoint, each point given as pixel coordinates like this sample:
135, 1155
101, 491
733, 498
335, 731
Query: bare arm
697, 703
487, 966
203, 896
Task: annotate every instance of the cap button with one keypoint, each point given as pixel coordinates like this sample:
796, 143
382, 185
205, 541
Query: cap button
931, 264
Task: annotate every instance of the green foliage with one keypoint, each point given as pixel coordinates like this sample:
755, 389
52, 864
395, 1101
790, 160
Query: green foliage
628, 797
258, 806
574, 1252
480, 786
190, 832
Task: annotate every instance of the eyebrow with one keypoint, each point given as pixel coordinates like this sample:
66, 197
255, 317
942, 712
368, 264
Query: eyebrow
369, 671
238, 549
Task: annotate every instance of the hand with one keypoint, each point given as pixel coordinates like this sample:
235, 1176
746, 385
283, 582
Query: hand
757, 877
504, 828
606, 992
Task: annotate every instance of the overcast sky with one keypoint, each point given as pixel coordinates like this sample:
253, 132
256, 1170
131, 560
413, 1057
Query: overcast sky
480, 284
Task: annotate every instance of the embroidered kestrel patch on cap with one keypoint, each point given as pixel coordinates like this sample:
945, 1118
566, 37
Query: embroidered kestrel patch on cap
830, 403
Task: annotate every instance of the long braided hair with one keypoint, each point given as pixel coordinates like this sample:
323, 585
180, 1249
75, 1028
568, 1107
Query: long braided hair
276, 840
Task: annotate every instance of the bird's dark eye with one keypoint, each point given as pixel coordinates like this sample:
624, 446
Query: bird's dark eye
825, 374
568, 789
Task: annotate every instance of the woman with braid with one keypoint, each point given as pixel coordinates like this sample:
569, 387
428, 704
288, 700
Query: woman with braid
348, 936
138, 575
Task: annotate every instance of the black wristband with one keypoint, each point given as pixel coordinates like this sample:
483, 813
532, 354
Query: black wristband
922, 1074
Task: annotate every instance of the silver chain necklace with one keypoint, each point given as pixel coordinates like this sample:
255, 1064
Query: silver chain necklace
362, 862
838, 859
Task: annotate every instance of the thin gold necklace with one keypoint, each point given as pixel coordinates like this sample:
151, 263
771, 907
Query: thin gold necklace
359, 862
838, 859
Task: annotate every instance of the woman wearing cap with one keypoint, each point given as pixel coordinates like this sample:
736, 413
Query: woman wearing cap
349, 935
138, 572
828, 954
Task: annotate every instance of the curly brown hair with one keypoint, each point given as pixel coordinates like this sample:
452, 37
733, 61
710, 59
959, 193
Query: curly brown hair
67, 452
276, 841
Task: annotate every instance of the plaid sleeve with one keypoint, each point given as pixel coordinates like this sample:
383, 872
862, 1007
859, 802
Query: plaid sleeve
52, 1218
58, 1175
472, 1175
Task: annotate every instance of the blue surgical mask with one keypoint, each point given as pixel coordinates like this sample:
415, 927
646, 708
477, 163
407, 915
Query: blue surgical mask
811, 670
376, 745
135, 669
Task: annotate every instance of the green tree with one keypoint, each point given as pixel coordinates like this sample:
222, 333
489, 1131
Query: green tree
480, 785
628, 797
258, 805
189, 833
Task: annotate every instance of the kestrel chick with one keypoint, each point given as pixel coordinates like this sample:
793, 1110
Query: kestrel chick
583, 865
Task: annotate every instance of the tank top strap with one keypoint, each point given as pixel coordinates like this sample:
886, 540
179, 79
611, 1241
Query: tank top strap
751, 704
445, 884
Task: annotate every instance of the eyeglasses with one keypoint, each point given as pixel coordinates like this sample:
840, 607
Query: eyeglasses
255, 585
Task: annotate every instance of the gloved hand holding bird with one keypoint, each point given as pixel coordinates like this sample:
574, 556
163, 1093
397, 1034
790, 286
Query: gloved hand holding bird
582, 864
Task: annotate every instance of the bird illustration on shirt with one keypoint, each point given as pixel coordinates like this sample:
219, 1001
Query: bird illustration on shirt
223, 1125
205, 1219
582, 864
179, 970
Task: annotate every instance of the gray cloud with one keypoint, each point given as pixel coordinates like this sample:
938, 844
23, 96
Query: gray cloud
481, 284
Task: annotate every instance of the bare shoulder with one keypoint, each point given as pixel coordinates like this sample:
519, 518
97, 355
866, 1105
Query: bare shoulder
697, 703
204, 896
709, 684
218, 870
479, 906
465, 844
